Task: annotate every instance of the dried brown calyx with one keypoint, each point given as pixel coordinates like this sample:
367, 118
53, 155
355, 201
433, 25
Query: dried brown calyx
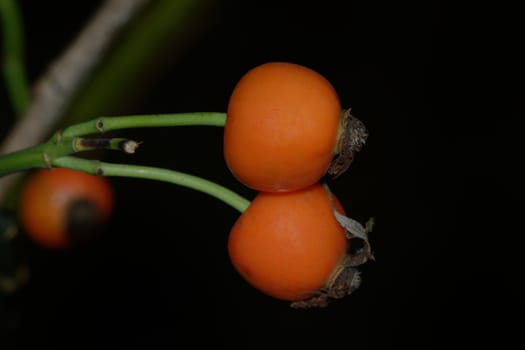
345, 278
352, 137
343, 281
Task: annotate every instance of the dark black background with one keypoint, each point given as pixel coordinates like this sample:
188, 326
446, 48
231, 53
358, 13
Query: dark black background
436, 85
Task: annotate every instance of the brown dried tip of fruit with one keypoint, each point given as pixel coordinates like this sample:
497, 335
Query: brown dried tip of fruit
343, 281
346, 277
353, 135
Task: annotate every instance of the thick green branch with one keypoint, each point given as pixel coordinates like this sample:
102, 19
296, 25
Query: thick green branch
34, 157
104, 124
144, 172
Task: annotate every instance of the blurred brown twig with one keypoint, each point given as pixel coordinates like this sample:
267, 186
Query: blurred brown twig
53, 92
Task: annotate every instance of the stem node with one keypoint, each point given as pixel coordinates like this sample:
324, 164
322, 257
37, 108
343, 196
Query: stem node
47, 160
99, 124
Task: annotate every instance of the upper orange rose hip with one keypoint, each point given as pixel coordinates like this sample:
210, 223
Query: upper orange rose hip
281, 127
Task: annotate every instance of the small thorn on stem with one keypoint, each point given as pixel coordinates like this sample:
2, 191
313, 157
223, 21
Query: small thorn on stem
47, 160
100, 125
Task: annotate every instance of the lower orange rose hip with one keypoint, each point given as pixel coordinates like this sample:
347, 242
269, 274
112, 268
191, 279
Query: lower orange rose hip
288, 245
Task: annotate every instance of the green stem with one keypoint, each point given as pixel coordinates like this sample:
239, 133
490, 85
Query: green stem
104, 124
68, 141
13, 47
57, 151
35, 157
95, 167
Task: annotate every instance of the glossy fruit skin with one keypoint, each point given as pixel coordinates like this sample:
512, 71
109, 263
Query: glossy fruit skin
288, 244
281, 127
48, 194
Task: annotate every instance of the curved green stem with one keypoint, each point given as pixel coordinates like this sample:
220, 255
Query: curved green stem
104, 124
145, 172
57, 151
13, 55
